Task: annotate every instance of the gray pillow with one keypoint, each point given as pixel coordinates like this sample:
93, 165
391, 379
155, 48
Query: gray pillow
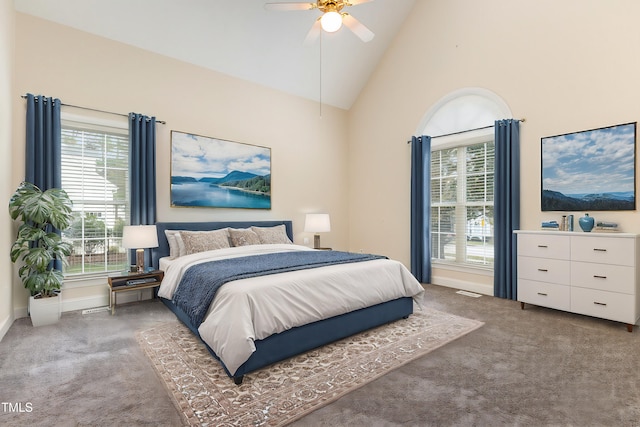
276, 234
243, 237
200, 241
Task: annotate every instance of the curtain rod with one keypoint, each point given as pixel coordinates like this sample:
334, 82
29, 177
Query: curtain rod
99, 111
465, 131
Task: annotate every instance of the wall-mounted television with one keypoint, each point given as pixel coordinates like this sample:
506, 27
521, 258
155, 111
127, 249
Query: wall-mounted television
591, 170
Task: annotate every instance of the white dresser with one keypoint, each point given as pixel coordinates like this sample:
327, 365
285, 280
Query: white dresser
587, 273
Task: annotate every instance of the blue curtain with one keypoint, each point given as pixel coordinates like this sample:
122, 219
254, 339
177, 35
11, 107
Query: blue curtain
506, 207
142, 172
421, 208
43, 147
43, 160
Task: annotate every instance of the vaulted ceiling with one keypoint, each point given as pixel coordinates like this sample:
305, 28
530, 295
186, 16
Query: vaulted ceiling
243, 39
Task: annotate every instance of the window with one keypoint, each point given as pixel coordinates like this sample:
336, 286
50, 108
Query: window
462, 203
95, 174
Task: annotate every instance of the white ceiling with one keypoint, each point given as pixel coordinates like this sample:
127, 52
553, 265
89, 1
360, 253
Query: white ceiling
242, 39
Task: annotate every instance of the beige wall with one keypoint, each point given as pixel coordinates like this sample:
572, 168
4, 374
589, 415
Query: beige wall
564, 66
309, 152
6, 124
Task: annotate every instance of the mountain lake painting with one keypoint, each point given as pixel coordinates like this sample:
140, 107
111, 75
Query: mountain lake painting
591, 170
210, 172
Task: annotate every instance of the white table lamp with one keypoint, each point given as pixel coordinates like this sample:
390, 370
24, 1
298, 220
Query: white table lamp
139, 237
317, 223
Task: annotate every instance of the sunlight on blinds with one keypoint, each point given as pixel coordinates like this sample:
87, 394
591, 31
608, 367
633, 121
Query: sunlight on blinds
462, 204
95, 174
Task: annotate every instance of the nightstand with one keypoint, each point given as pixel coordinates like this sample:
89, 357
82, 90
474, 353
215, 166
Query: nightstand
132, 282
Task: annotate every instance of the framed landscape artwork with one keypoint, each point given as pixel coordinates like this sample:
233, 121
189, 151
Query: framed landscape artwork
211, 172
592, 170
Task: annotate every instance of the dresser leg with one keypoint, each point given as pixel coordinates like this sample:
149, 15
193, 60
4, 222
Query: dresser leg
521, 305
629, 327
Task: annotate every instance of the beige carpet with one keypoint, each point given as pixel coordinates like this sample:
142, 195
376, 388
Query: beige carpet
286, 391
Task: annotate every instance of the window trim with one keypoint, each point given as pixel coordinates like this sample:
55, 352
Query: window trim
462, 268
465, 138
88, 121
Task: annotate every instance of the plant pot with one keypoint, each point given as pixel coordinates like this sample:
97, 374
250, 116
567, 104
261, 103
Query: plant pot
45, 311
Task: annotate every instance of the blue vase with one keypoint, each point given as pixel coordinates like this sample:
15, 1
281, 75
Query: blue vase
586, 223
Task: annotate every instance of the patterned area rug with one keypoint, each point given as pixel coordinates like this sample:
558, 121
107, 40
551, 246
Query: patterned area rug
286, 391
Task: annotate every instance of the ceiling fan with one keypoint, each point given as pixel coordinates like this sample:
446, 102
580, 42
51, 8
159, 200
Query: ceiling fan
332, 17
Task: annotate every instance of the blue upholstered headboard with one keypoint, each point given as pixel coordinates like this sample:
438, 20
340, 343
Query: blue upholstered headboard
163, 245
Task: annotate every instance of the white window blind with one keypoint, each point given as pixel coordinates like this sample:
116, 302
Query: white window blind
462, 204
95, 174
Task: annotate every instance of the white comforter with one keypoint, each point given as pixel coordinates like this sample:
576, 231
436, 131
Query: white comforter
252, 309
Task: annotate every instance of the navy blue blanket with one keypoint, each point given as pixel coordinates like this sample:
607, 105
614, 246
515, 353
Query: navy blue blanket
200, 282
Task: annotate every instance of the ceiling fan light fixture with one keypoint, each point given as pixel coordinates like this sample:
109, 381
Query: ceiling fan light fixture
331, 21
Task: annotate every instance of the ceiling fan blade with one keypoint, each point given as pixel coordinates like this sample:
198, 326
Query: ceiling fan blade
356, 2
365, 34
290, 6
313, 34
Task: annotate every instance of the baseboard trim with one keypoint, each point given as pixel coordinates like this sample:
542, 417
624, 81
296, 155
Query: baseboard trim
463, 285
5, 325
20, 312
74, 304
83, 303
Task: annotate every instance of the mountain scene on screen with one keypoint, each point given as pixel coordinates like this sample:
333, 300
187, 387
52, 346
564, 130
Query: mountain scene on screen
557, 201
591, 170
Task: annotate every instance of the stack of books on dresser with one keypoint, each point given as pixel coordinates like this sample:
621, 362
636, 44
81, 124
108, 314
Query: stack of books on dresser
606, 226
550, 225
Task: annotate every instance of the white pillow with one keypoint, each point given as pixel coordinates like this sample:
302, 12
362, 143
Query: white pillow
176, 245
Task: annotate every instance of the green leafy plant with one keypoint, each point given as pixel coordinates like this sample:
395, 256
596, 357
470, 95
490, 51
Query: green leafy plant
38, 246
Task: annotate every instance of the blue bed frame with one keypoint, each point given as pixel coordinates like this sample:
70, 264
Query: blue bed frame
297, 340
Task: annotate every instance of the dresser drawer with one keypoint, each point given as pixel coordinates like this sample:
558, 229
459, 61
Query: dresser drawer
544, 270
544, 294
607, 305
604, 250
605, 277
544, 246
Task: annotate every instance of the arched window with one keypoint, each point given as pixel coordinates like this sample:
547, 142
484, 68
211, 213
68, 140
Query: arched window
462, 174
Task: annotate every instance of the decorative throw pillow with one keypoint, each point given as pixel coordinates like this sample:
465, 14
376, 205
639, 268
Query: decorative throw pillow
176, 245
200, 241
269, 235
243, 237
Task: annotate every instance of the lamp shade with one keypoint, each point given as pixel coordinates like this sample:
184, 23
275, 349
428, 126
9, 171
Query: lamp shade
139, 236
317, 223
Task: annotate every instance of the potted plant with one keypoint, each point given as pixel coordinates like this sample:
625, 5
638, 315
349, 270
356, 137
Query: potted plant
38, 246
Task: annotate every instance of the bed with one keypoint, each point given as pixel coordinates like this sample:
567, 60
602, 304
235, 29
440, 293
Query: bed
287, 313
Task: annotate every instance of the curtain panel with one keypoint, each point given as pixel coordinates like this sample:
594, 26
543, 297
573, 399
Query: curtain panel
142, 172
421, 208
506, 208
142, 168
43, 146
43, 159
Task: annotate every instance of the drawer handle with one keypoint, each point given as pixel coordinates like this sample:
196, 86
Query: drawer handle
599, 277
600, 303
544, 270
599, 250
541, 294
542, 246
